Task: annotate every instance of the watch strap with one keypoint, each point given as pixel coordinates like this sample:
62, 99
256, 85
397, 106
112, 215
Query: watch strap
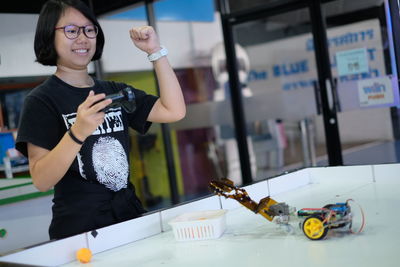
157, 55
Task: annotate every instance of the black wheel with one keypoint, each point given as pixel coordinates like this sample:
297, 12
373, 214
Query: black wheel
313, 228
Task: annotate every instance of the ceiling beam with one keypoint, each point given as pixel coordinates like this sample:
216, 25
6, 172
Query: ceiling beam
33, 7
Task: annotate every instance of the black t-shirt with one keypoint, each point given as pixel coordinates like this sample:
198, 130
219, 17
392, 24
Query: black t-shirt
101, 168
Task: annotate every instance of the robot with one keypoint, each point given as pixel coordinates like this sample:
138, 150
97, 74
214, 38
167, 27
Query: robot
314, 222
318, 221
225, 135
218, 64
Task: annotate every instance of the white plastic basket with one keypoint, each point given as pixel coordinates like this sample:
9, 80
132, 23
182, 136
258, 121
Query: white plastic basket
200, 225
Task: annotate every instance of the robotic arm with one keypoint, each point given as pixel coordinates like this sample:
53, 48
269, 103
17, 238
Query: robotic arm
267, 207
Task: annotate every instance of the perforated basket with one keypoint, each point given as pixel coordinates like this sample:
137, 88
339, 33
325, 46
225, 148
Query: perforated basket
201, 225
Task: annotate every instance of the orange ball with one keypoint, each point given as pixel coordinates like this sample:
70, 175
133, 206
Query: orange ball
84, 255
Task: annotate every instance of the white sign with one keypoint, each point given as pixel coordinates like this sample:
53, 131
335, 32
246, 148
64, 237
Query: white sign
376, 91
352, 61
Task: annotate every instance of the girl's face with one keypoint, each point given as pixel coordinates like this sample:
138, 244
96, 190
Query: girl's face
74, 54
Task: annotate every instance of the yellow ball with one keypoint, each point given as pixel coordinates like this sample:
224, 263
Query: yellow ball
84, 255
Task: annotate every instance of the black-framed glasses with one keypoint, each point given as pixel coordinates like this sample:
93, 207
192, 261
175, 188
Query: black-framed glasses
73, 31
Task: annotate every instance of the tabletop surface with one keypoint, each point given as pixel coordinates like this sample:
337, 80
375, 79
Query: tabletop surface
251, 240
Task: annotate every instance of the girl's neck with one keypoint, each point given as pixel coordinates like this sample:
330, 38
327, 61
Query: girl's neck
79, 78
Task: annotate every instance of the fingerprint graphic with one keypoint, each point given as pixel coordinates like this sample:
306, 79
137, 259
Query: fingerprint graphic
110, 163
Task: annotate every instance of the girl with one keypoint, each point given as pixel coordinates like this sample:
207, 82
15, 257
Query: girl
74, 145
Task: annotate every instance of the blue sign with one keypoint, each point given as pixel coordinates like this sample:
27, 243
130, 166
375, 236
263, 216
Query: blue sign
173, 10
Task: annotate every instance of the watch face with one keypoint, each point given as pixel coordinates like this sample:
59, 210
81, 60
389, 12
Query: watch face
164, 51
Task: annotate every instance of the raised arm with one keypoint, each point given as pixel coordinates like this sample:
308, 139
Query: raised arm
170, 107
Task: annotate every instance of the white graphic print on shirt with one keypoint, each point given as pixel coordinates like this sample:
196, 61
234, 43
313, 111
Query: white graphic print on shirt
80, 165
108, 156
110, 164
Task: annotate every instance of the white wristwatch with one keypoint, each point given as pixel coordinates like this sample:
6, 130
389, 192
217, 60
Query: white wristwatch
160, 53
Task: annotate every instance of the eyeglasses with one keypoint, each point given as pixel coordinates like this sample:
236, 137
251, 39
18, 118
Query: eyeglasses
73, 31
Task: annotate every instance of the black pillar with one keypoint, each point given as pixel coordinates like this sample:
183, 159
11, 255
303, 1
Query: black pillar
236, 96
166, 133
326, 85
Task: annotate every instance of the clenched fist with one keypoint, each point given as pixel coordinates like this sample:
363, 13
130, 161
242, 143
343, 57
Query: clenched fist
145, 38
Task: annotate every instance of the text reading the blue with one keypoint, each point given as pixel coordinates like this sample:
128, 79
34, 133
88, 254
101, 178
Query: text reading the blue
290, 68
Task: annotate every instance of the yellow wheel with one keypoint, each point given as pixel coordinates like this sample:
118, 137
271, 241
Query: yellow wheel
313, 228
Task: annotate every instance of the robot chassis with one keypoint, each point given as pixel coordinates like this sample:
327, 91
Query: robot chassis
316, 222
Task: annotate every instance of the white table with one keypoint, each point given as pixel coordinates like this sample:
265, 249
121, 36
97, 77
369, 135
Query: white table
251, 240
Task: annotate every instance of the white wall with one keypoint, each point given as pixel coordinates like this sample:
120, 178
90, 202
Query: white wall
361, 125
16, 47
27, 223
188, 44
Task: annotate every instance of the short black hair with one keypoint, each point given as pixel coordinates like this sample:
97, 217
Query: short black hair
49, 16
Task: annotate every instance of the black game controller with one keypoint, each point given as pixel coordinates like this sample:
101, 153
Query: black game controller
124, 98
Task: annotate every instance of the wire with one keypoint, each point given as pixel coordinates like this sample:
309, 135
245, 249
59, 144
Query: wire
362, 218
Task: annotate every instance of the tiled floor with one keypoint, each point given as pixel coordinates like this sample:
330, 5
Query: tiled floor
369, 154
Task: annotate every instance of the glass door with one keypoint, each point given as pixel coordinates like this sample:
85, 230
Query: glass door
279, 91
363, 66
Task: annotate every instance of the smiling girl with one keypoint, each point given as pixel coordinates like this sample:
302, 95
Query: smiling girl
74, 145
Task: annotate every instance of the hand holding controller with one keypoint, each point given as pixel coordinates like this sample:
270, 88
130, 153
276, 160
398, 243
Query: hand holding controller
124, 98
